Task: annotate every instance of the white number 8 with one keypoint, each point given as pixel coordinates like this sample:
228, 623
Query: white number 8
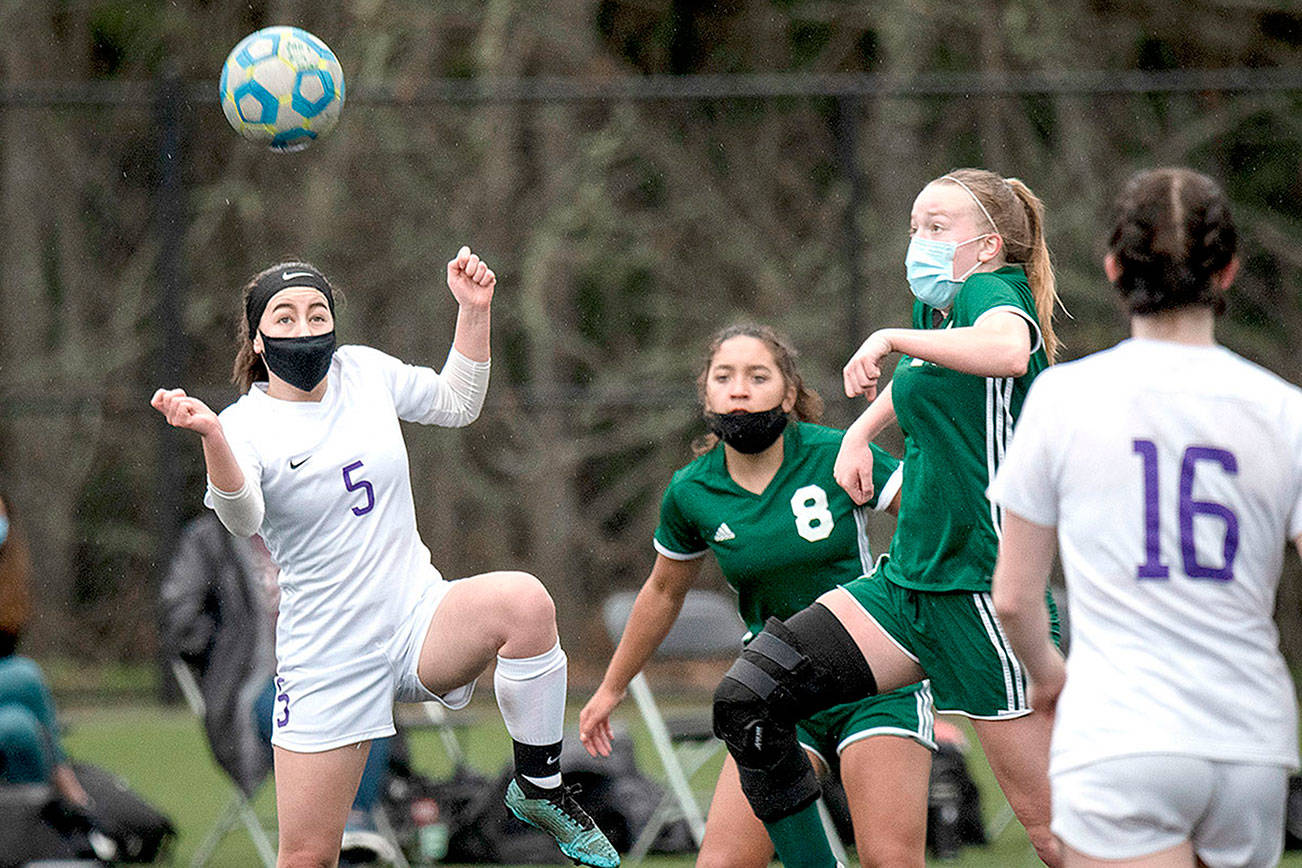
813, 518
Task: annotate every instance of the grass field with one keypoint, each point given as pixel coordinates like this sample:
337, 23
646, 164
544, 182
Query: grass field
162, 753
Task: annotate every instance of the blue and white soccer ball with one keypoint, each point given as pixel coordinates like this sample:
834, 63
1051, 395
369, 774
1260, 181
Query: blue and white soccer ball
282, 87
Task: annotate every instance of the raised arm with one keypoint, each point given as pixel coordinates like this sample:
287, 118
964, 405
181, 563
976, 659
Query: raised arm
654, 612
472, 283
236, 500
998, 345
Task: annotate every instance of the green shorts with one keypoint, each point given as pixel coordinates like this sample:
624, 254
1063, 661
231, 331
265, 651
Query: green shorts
906, 712
958, 642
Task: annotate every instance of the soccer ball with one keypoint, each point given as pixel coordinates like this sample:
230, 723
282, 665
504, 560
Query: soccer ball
282, 87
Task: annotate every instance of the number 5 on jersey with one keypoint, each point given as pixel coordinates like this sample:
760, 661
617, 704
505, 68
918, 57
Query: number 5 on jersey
359, 485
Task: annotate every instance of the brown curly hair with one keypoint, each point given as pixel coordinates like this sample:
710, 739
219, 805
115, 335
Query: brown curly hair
809, 405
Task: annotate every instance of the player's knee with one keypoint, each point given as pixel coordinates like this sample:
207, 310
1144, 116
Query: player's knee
743, 720
887, 849
755, 709
526, 602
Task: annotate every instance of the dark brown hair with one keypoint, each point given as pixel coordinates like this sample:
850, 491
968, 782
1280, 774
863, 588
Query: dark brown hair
808, 406
15, 581
1172, 233
1018, 215
249, 367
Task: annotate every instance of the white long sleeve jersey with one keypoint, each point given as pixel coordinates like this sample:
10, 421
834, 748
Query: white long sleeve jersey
338, 517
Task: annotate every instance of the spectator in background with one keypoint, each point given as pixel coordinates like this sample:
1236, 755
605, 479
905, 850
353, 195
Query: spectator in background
30, 751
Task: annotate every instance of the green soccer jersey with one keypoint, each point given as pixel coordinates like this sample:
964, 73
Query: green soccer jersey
956, 427
781, 549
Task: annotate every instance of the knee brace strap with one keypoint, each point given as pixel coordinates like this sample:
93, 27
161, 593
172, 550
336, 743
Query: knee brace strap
752, 678
841, 672
774, 648
775, 774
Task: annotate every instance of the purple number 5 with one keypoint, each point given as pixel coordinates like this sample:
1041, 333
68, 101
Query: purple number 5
359, 485
1189, 509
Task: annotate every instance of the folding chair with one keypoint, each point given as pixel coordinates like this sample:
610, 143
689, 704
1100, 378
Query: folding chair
238, 809
707, 628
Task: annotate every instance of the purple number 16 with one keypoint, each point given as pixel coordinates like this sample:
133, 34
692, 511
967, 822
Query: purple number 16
1189, 509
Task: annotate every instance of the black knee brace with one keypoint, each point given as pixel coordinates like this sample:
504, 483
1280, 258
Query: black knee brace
786, 673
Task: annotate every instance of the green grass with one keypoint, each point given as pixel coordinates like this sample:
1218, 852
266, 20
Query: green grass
162, 753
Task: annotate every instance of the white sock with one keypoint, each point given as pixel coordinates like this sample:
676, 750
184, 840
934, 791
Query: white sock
531, 695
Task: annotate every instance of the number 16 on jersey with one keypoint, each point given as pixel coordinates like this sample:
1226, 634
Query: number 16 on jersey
1188, 509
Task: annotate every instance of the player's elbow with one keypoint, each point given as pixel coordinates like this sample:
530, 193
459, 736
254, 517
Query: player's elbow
243, 525
464, 417
1009, 601
1010, 360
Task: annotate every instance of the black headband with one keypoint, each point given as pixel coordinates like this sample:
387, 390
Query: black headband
286, 276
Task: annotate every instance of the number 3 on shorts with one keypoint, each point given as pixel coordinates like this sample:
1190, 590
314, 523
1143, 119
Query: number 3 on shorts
359, 485
813, 518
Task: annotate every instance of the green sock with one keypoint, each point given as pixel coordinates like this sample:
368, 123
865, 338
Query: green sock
800, 840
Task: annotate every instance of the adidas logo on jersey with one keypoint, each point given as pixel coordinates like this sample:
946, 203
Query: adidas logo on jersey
724, 533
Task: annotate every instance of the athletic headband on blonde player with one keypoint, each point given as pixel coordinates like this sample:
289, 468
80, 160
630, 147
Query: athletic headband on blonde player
974, 199
288, 275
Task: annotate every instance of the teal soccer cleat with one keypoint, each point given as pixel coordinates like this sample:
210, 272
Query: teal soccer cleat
565, 820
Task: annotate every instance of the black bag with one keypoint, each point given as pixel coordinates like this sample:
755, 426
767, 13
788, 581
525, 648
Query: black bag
35, 825
953, 804
138, 831
481, 828
1293, 814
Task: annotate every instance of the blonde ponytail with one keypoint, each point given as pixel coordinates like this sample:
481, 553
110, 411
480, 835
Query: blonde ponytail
1039, 267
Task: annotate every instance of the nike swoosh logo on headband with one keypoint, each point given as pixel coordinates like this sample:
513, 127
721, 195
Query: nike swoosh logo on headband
290, 275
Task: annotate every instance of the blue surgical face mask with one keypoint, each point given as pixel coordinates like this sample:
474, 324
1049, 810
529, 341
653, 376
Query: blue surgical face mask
4, 529
929, 266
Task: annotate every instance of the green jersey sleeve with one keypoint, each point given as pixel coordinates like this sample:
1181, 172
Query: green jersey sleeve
988, 291
677, 536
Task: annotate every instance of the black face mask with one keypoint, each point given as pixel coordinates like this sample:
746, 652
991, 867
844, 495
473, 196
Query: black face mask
302, 362
748, 432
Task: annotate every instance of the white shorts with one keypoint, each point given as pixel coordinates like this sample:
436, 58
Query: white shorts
319, 708
1133, 806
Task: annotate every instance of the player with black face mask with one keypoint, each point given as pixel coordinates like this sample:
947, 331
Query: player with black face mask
765, 502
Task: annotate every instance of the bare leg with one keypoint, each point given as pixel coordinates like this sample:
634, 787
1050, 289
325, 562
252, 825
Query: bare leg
734, 836
1179, 856
1018, 753
507, 613
313, 794
886, 779
892, 668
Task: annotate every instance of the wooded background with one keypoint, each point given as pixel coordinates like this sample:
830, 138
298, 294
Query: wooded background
638, 172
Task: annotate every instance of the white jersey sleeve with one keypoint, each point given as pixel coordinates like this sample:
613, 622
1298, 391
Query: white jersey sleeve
241, 512
1027, 480
451, 399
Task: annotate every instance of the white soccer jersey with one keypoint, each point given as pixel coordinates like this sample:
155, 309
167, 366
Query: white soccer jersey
339, 520
1174, 476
